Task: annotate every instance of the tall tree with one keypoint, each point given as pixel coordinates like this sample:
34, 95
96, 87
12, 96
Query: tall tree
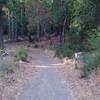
2, 3
38, 17
12, 20
59, 14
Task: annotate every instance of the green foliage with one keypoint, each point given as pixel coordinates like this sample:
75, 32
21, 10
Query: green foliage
22, 54
37, 13
95, 43
64, 51
5, 67
1, 51
39, 16
17, 15
42, 14
82, 21
91, 63
57, 13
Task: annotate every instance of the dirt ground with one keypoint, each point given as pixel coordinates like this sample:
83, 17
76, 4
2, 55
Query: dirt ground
11, 82
83, 89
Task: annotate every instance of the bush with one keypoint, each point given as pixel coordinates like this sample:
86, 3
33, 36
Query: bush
22, 54
1, 51
95, 43
64, 51
91, 63
5, 67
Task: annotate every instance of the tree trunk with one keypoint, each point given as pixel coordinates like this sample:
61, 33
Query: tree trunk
38, 31
22, 30
9, 27
15, 27
1, 36
12, 21
12, 24
63, 32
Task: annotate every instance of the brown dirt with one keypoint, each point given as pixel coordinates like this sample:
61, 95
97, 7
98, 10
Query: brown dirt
11, 82
83, 89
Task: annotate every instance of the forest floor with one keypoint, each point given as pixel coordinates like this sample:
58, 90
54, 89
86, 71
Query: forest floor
83, 89
38, 79
12, 84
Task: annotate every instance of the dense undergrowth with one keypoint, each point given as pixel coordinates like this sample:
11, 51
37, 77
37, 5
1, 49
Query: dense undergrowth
64, 51
90, 57
22, 54
5, 66
75, 21
91, 63
7, 63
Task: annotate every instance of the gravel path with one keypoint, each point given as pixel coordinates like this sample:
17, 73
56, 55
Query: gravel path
47, 83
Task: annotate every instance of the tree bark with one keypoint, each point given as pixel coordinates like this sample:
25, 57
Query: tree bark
22, 30
12, 24
1, 35
63, 32
9, 27
15, 27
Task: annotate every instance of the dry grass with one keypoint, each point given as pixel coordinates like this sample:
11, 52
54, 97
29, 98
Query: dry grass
83, 89
10, 83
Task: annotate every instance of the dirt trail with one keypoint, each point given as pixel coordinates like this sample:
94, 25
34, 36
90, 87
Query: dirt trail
47, 82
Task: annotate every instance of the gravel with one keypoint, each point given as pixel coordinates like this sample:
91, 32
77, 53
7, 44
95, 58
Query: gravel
83, 89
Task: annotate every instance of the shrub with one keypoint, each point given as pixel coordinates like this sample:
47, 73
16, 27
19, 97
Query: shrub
5, 67
64, 51
91, 63
22, 54
1, 51
95, 43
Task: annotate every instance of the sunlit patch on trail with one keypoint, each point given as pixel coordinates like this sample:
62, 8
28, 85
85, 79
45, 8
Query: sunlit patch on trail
48, 66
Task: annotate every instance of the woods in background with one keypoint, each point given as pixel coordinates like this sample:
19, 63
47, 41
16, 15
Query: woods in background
75, 21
